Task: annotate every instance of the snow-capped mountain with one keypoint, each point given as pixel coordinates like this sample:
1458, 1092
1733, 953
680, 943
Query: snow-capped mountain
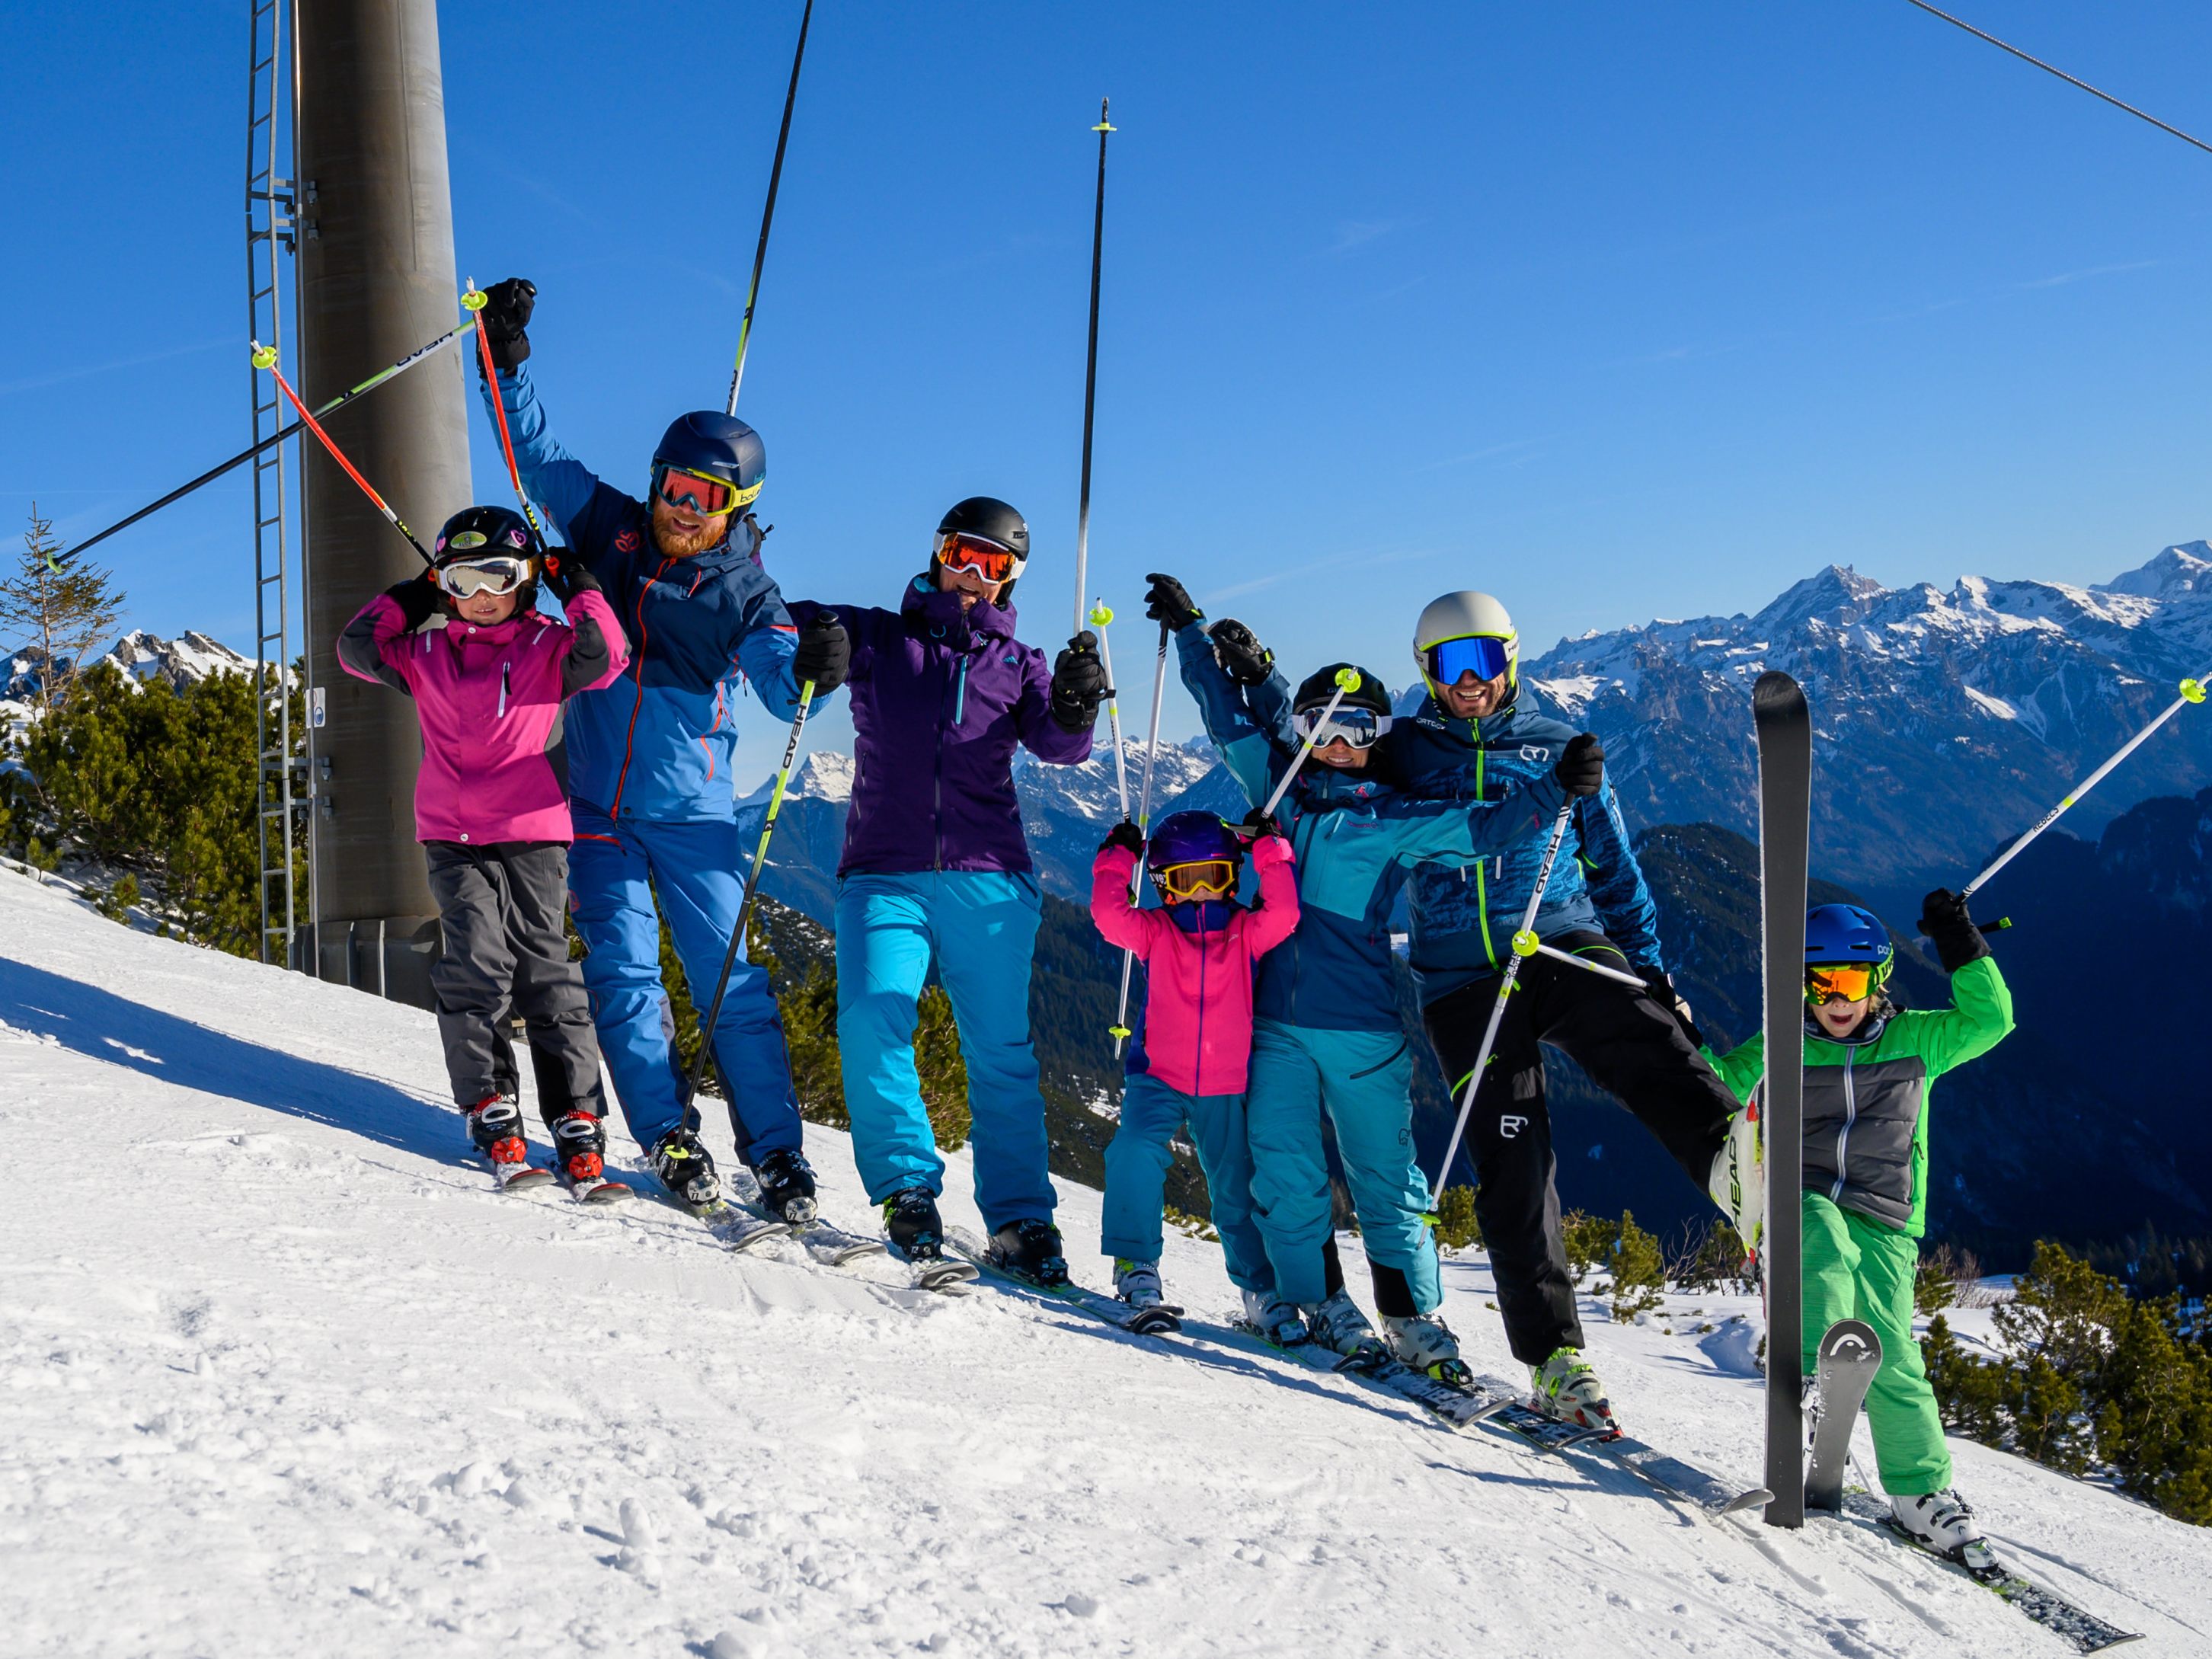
139, 655
1946, 722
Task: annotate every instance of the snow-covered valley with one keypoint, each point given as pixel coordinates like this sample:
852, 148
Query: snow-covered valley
283, 1374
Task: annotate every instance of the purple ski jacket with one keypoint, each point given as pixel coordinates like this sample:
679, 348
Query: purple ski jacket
940, 696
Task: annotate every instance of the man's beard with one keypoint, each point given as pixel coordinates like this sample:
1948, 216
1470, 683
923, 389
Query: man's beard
679, 544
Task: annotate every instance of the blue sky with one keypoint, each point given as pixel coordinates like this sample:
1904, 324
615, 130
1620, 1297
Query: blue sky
1616, 310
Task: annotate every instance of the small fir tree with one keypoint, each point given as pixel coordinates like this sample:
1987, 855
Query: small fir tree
61, 610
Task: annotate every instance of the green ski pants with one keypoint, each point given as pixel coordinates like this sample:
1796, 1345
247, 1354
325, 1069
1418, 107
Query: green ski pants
1857, 1268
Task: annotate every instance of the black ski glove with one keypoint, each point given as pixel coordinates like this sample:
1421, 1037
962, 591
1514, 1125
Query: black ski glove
1943, 918
567, 575
1240, 653
1258, 825
1125, 836
1167, 601
1660, 984
505, 316
825, 654
419, 599
1581, 767
1079, 684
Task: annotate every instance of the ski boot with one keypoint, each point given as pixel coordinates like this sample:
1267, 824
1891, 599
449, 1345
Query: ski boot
1138, 1283
786, 1185
910, 1218
1277, 1320
1943, 1521
495, 1129
1338, 1325
1424, 1343
1030, 1250
1566, 1387
682, 1163
1738, 1181
579, 1148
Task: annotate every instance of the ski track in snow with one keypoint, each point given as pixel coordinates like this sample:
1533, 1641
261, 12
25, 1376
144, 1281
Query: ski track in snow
283, 1374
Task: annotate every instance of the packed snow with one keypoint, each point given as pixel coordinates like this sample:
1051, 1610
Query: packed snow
285, 1376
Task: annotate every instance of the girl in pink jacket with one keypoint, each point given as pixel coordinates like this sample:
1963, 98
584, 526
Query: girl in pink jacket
1187, 1065
492, 815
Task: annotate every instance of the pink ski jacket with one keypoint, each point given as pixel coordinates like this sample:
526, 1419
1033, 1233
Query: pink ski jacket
489, 700
1198, 1003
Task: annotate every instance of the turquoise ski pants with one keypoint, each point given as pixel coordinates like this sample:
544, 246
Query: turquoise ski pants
980, 928
1363, 1080
1137, 1163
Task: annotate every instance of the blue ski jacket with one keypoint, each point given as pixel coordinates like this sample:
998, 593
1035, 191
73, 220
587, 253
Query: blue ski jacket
1355, 839
1464, 916
656, 743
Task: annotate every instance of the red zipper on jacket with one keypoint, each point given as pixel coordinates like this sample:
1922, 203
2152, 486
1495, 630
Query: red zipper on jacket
629, 738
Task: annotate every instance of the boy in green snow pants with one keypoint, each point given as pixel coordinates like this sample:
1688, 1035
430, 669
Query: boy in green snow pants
1868, 1067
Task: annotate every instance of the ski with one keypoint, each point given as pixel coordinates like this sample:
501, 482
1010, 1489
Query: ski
739, 1229
823, 1241
518, 1177
1162, 1321
1669, 1474
598, 1189
2075, 1625
944, 1275
1785, 727
1459, 1409
1849, 1355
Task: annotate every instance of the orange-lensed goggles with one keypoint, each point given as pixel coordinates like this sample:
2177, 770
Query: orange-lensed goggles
1847, 981
989, 559
698, 492
1180, 883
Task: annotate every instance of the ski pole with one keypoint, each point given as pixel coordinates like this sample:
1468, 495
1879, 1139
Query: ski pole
1525, 944
1347, 679
1090, 373
1121, 1027
2192, 691
768, 212
276, 437
1101, 618
474, 302
1573, 960
752, 889
265, 357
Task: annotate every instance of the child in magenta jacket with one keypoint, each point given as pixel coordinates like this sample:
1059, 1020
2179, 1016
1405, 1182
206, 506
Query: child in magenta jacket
1189, 1065
492, 814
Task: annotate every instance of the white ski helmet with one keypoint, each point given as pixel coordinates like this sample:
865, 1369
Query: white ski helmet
1467, 615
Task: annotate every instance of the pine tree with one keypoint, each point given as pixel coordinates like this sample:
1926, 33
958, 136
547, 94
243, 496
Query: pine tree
64, 612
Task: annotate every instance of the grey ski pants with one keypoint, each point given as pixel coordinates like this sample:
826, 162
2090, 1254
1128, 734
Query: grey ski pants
505, 953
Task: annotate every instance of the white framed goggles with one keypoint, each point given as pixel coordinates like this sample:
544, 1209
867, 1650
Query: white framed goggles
957, 550
497, 573
1360, 727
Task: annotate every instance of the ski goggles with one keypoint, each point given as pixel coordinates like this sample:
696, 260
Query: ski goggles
991, 560
699, 492
496, 573
1180, 883
1360, 727
1844, 982
1483, 655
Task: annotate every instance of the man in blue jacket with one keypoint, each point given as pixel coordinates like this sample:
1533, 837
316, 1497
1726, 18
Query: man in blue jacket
1471, 741
648, 764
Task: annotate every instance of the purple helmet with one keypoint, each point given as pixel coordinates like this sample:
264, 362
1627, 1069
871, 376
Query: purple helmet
1192, 838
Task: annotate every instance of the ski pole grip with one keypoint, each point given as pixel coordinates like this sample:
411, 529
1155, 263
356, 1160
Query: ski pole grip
264, 356
1347, 679
1100, 615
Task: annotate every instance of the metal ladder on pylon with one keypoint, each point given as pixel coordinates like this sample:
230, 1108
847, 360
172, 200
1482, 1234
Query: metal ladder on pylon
269, 219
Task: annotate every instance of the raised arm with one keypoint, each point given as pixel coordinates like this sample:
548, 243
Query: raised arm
1252, 759
376, 645
1120, 923
1041, 730
555, 479
596, 650
1276, 916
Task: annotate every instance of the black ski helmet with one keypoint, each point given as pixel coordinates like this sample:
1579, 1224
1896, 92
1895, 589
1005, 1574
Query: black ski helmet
721, 447
1318, 687
476, 532
990, 520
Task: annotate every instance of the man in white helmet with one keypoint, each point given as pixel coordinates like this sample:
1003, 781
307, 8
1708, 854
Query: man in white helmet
1471, 741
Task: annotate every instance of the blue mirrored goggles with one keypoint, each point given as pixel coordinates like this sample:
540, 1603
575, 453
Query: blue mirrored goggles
1483, 655
1360, 727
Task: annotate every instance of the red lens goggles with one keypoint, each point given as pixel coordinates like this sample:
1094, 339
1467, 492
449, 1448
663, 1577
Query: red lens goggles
988, 559
700, 493
1849, 981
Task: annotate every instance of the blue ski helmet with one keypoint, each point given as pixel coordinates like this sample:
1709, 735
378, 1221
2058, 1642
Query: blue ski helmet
718, 446
1186, 839
1837, 933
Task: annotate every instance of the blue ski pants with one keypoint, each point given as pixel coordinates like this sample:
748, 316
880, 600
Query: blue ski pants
1363, 1080
1137, 1163
980, 928
616, 871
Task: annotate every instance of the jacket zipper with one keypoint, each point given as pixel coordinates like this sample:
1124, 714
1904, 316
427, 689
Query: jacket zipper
960, 702
1850, 1117
1198, 1055
937, 791
637, 667
1481, 886
1305, 828
505, 682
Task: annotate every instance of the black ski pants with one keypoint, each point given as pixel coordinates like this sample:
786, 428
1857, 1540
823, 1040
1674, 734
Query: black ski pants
505, 954
1632, 1046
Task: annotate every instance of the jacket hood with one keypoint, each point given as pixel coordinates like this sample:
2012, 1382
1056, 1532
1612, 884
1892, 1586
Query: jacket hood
942, 617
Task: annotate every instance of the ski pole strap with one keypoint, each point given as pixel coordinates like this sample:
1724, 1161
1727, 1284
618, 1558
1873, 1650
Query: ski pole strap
265, 357
1347, 679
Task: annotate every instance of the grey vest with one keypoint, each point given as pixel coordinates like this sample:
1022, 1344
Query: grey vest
1860, 1122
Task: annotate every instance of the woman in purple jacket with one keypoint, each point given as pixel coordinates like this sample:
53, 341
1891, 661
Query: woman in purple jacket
935, 868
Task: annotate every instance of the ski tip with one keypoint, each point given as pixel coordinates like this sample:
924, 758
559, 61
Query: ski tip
1757, 1498
1774, 693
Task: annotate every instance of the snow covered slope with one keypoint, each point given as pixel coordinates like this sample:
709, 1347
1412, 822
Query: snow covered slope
282, 1375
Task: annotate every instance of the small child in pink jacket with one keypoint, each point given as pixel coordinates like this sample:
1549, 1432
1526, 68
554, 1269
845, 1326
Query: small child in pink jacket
492, 814
1188, 1066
